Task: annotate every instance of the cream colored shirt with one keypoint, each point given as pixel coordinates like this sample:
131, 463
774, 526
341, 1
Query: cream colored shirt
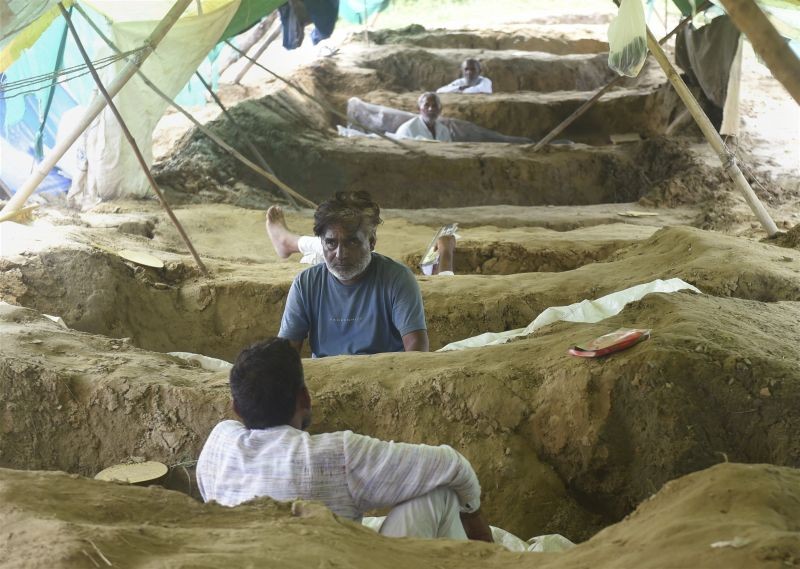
417, 129
349, 473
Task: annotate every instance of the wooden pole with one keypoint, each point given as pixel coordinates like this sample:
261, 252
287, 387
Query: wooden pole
767, 43
258, 156
596, 97
262, 48
726, 157
201, 127
325, 105
95, 107
248, 42
131, 141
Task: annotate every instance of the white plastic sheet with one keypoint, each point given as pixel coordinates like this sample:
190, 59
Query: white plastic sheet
627, 39
113, 171
549, 543
585, 311
205, 362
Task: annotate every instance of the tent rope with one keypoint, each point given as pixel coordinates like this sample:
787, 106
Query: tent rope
11, 89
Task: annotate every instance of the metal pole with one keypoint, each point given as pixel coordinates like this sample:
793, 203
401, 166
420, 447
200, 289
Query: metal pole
95, 107
726, 157
131, 140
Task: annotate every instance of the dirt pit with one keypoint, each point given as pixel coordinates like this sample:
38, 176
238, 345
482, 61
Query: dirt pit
549, 39
689, 523
426, 70
561, 444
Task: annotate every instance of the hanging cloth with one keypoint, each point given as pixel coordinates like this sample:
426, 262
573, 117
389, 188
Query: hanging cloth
296, 14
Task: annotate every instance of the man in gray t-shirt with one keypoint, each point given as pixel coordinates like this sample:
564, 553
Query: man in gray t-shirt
357, 302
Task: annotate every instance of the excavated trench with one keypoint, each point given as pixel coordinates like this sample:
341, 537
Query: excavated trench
172, 309
296, 136
521, 40
645, 112
425, 70
560, 444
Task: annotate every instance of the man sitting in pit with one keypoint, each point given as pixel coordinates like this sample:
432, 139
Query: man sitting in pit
356, 301
286, 243
471, 80
426, 125
433, 491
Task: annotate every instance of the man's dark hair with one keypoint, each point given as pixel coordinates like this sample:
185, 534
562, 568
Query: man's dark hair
265, 379
347, 207
472, 60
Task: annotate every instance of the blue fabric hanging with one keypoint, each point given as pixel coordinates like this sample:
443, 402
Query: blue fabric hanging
295, 15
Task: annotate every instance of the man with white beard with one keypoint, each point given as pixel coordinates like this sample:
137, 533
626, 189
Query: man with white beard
357, 301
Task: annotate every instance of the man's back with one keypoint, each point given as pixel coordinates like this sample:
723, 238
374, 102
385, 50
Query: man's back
368, 317
349, 473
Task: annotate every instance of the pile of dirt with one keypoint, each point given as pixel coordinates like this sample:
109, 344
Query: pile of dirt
790, 239
733, 516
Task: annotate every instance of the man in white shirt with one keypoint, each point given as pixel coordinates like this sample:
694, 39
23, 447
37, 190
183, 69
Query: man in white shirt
471, 80
426, 126
433, 491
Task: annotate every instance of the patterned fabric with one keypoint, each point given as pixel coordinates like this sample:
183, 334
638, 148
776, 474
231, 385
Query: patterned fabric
349, 473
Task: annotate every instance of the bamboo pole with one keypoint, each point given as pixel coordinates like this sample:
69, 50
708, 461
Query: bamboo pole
767, 43
131, 141
596, 97
95, 107
726, 157
253, 37
325, 105
261, 49
258, 156
201, 127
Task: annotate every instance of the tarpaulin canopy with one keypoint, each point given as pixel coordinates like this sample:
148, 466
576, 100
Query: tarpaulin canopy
35, 44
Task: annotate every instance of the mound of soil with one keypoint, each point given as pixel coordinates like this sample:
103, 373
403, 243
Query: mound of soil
733, 516
560, 444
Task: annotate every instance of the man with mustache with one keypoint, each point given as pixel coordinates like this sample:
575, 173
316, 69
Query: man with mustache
356, 301
471, 80
426, 126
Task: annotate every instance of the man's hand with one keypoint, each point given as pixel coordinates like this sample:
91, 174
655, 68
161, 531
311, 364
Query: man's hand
416, 341
475, 526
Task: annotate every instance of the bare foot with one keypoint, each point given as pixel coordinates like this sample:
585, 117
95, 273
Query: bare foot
283, 241
446, 246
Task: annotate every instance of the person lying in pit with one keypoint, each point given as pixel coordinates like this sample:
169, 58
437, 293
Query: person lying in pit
432, 491
426, 125
471, 80
355, 301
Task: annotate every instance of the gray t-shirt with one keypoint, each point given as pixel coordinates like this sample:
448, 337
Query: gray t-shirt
368, 317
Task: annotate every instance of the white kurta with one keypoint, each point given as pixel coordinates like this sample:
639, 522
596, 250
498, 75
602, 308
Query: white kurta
484, 85
349, 473
417, 129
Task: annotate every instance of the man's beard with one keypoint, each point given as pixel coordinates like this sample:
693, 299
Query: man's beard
349, 273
